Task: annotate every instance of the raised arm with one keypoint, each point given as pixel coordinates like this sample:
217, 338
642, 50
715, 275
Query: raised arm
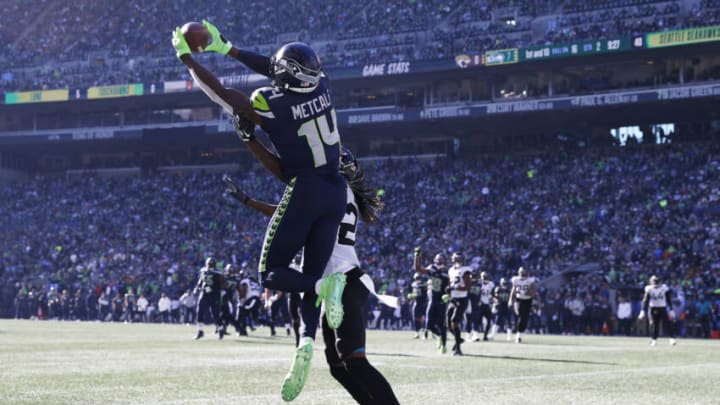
254, 61
417, 257
260, 206
232, 101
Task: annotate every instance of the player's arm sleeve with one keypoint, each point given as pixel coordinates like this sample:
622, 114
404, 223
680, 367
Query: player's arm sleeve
668, 299
254, 61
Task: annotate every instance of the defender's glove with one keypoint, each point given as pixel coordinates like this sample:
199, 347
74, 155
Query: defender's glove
417, 251
179, 43
671, 315
218, 43
233, 190
244, 127
642, 315
445, 298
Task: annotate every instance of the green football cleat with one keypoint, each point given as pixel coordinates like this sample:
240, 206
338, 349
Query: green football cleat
443, 349
331, 291
298, 374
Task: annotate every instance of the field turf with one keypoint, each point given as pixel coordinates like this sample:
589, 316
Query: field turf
50, 362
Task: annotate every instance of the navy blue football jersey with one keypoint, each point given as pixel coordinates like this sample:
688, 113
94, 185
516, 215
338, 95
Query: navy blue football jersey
302, 127
437, 284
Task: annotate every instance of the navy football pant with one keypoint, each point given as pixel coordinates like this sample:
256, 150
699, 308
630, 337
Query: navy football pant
209, 303
435, 320
308, 217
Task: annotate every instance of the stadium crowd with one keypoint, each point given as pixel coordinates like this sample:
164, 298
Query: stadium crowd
77, 247
52, 48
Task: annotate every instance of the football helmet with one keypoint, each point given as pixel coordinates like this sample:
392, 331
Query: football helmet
522, 272
503, 282
210, 262
654, 280
458, 258
296, 67
484, 276
439, 260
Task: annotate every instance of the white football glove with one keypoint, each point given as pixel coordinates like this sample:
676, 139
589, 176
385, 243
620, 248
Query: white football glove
671, 315
642, 315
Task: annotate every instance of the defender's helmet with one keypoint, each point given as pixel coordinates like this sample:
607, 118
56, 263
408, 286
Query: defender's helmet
484, 276
522, 272
503, 282
296, 67
210, 262
654, 280
439, 260
348, 163
458, 257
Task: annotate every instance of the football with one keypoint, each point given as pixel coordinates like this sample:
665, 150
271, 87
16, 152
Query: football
196, 35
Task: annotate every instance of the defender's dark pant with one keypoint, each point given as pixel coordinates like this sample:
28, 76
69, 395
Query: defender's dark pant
524, 307
456, 310
659, 317
340, 343
308, 217
485, 313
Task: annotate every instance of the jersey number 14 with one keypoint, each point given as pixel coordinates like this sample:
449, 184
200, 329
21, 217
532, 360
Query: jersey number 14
318, 134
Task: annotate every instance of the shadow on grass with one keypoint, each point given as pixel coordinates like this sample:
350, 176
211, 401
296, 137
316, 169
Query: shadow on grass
485, 356
393, 355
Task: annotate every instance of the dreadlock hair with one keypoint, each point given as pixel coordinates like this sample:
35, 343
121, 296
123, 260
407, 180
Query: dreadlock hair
366, 197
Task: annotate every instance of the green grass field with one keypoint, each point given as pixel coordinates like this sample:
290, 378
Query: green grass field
72, 362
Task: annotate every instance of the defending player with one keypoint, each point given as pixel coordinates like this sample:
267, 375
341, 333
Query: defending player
437, 295
249, 292
298, 115
345, 346
487, 287
521, 296
658, 298
460, 282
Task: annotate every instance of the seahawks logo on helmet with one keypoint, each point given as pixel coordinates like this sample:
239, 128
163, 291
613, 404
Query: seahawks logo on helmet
296, 67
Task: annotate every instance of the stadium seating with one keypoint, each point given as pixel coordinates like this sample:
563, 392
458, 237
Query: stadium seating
630, 210
129, 40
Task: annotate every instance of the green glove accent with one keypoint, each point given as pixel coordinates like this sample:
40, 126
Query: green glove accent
179, 43
411, 296
445, 298
417, 251
218, 43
